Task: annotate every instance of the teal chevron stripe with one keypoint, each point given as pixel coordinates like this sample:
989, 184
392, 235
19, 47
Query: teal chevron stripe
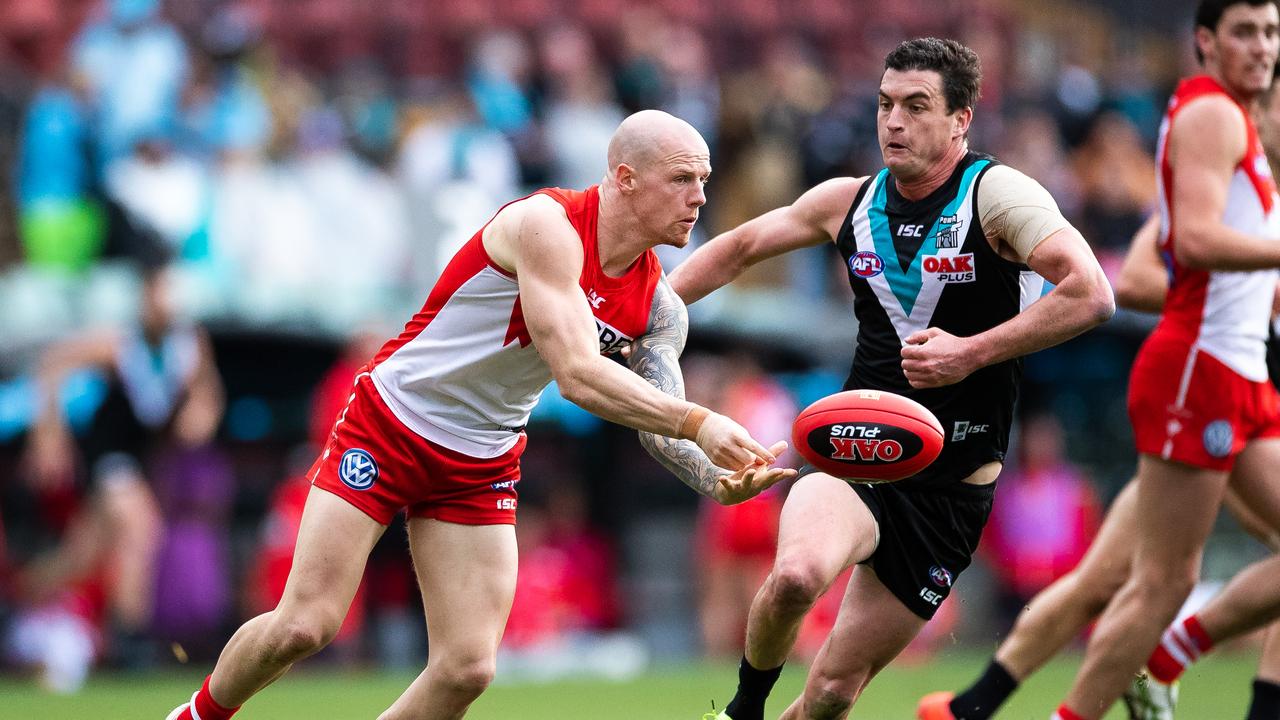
906, 284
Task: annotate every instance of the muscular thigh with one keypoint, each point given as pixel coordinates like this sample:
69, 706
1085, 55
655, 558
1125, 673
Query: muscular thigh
467, 574
334, 541
824, 522
1255, 482
872, 628
1176, 507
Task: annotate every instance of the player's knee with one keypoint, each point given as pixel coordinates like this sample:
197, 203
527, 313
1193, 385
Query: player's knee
470, 676
795, 586
1158, 587
830, 697
297, 637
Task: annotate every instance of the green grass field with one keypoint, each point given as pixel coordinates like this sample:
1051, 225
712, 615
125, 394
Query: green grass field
1216, 689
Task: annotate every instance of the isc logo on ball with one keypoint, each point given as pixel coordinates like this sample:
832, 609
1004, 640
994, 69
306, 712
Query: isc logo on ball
866, 264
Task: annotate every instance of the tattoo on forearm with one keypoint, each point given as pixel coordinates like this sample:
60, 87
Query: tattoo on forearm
656, 358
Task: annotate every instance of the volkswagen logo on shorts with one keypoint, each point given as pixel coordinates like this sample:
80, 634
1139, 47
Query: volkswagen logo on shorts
866, 264
358, 469
1218, 438
940, 576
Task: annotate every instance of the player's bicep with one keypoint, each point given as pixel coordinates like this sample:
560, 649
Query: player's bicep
1063, 254
548, 259
1206, 142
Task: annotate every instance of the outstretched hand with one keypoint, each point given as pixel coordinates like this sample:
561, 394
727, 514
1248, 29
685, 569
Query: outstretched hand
752, 479
729, 445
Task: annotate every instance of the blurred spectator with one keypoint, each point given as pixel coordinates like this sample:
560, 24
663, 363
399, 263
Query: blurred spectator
224, 115
1118, 181
133, 65
457, 172
164, 395
62, 225
1046, 514
164, 190
579, 110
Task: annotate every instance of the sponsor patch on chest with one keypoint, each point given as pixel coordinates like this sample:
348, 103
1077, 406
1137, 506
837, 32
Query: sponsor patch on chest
949, 268
611, 338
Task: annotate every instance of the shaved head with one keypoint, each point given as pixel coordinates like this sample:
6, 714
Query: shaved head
650, 136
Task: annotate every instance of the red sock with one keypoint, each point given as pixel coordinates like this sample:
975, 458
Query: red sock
1182, 644
203, 707
1066, 713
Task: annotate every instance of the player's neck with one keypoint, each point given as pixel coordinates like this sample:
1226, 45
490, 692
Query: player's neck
920, 187
1245, 100
616, 248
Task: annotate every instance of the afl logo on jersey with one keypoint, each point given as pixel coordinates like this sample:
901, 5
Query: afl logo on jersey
358, 469
866, 264
940, 576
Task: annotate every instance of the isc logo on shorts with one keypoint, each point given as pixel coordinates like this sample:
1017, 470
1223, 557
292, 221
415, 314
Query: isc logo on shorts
358, 469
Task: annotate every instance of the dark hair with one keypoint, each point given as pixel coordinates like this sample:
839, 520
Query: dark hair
1209, 13
958, 65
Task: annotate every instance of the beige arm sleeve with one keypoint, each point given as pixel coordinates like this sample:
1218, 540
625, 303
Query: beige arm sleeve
1017, 209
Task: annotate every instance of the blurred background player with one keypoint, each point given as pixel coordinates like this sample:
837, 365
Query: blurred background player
938, 234
163, 393
1199, 397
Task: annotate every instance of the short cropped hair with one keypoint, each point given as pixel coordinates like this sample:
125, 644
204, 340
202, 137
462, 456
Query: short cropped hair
959, 67
1209, 13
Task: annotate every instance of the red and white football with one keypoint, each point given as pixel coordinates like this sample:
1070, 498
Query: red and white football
867, 435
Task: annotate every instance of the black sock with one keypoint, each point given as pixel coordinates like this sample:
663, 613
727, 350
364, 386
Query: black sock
1266, 701
986, 695
753, 689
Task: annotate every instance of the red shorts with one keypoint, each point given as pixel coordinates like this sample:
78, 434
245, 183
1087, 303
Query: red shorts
1187, 406
378, 465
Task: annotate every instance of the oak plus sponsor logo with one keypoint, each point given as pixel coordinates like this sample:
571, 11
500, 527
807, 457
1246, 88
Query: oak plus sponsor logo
864, 443
949, 268
866, 264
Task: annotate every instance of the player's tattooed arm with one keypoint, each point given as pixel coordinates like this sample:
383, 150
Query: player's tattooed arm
656, 358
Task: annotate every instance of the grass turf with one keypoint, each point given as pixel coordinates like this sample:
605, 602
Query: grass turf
1215, 689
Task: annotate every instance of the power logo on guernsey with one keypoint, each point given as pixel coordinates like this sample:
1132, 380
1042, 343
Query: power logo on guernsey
358, 469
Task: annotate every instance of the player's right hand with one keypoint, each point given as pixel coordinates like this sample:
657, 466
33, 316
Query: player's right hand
729, 445
752, 480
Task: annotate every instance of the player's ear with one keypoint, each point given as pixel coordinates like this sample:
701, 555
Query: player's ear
624, 177
963, 117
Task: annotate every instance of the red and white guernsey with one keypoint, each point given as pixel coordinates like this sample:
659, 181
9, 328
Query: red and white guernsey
465, 374
1224, 314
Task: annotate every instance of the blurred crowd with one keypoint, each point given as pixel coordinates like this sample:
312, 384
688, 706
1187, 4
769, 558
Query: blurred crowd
302, 169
